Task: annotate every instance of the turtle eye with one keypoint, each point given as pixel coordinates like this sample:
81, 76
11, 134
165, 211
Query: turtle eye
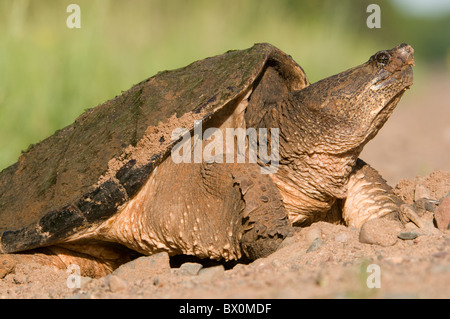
382, 58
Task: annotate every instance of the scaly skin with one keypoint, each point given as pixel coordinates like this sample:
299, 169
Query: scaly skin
323, 129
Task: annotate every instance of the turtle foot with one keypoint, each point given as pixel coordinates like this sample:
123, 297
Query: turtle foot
405, 224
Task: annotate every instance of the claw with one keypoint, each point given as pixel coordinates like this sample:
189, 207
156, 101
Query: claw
407, 213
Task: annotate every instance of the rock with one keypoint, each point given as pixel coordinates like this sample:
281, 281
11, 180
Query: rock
189, 269
379, 231
315, 245
442, 214
211, 273
144, 267
408, 235
115, 283
424, 204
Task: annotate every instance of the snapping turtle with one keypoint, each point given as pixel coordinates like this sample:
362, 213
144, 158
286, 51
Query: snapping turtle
111, 186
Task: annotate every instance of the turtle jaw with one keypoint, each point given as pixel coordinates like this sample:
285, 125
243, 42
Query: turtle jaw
392, 81
396, 84
382, 116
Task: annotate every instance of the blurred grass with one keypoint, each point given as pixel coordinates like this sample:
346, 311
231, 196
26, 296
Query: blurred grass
50, 74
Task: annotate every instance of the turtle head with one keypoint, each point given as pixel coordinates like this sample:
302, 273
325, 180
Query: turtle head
346, 110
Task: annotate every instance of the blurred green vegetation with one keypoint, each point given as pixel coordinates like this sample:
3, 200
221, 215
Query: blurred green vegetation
49, 74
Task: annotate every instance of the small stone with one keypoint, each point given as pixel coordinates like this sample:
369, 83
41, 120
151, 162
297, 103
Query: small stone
211, 273
408, 235
379, 231
442, 214
115, 283
424, 204
190, 269
315, 245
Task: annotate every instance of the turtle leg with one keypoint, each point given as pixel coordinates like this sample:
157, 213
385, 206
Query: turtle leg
370, 197
265, 219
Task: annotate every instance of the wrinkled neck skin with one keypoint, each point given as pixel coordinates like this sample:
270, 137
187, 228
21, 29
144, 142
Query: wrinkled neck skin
324, 127
311, 174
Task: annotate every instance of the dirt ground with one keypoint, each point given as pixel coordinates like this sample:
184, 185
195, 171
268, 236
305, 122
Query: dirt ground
320, 261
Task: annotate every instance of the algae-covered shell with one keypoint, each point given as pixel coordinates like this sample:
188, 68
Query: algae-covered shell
82, 174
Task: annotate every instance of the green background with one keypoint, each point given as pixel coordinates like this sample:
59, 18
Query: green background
49, 74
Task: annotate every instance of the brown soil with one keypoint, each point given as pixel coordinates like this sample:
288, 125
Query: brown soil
322, 260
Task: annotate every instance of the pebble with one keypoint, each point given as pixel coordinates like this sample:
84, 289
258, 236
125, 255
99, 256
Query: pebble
424, 204
315, 245
408, 235
379, 231
442, 214
189, 269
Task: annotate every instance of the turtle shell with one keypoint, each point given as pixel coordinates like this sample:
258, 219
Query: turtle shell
84, 173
